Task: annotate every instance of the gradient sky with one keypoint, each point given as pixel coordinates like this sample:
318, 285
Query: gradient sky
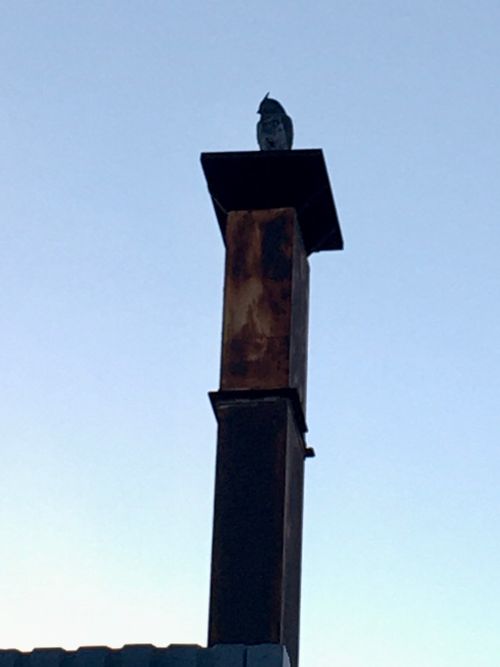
111, 268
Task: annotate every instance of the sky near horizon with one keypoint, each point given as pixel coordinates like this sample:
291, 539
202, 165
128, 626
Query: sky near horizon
111, 267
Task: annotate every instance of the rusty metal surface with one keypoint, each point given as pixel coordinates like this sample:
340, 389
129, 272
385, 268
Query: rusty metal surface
257, 534
264, 339
274, 179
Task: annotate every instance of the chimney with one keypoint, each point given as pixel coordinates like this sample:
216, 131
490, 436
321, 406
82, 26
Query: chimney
274, 209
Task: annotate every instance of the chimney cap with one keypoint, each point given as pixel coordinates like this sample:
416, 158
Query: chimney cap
251, 180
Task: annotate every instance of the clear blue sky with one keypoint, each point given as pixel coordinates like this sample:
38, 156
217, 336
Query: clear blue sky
111, 274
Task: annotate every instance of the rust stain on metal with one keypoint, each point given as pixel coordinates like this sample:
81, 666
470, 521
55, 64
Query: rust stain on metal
262, 288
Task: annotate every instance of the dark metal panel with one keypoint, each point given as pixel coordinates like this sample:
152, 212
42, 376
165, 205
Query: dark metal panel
178, 655
91, 656
274, 179
136, 655
256, 549
10, 658
290, 393
292, 561
46, 657
247, 548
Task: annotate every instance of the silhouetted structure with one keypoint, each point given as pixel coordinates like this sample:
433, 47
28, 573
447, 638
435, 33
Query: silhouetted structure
274, 208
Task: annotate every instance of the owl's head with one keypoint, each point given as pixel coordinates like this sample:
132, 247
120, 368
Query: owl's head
270, 106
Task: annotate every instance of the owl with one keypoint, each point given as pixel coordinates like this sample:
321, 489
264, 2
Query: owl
275, 128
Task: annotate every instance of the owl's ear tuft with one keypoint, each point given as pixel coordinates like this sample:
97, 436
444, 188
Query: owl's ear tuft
263, 100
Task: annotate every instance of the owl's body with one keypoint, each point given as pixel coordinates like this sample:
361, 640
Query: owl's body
275, 128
